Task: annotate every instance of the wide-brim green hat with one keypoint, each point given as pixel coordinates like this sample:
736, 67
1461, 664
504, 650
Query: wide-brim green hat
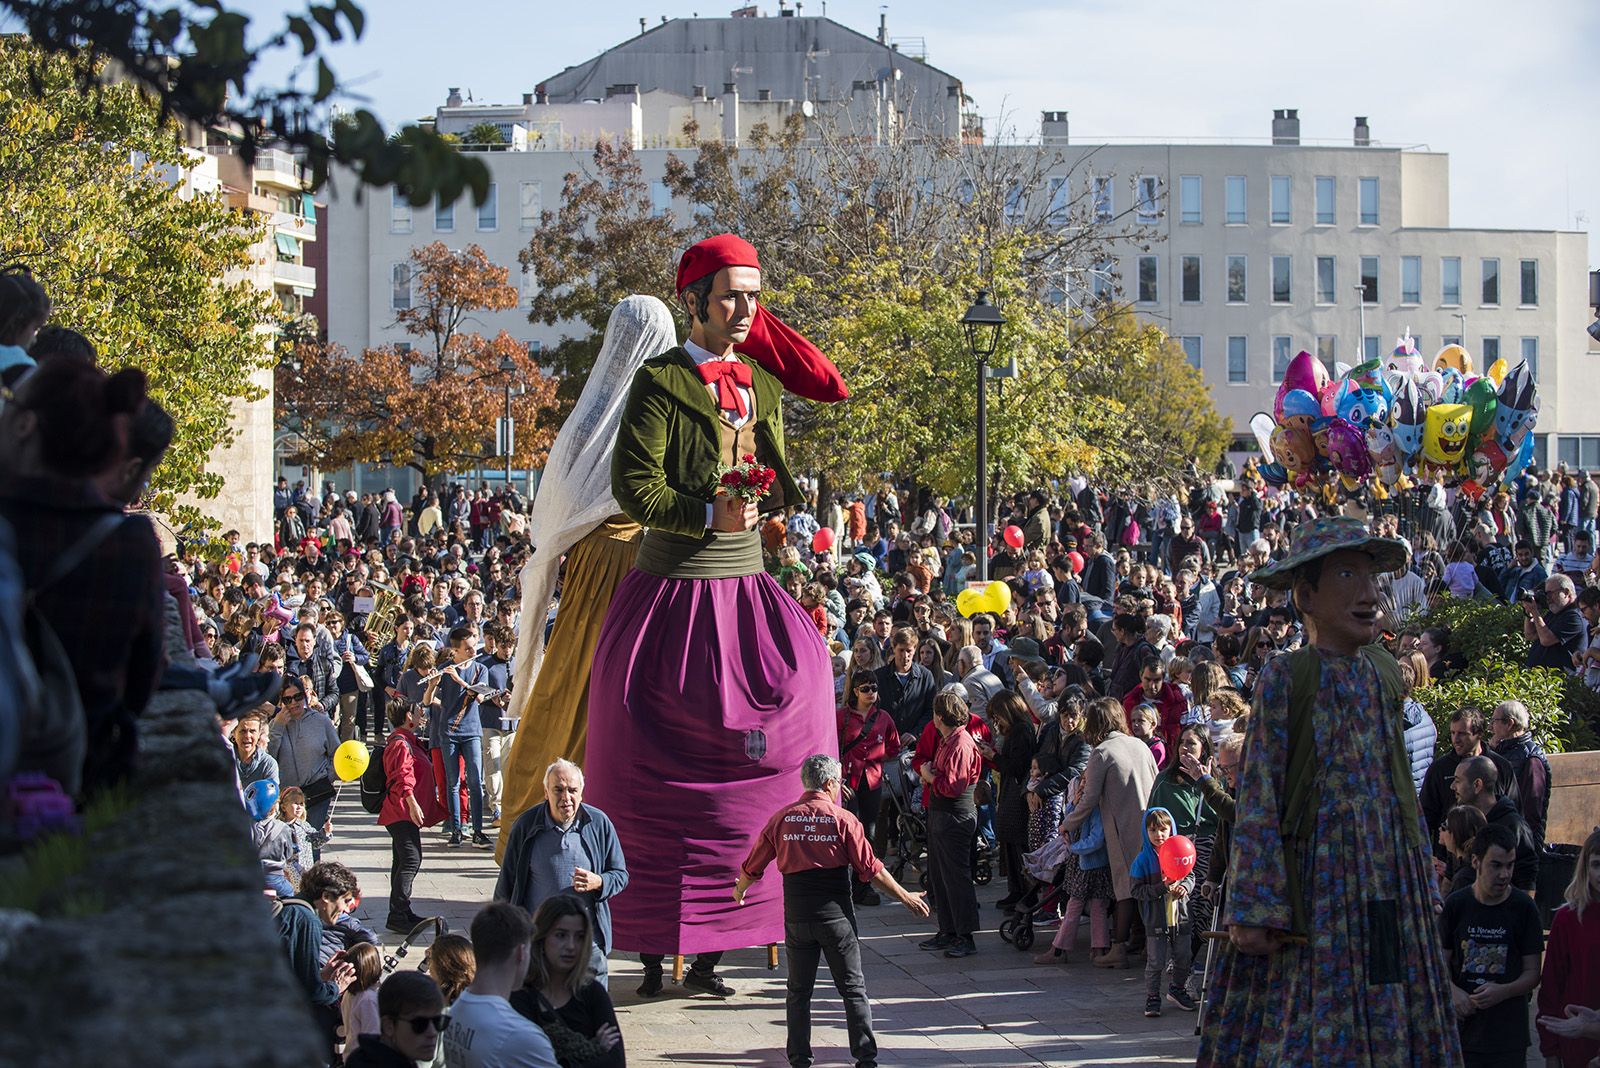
1320, 537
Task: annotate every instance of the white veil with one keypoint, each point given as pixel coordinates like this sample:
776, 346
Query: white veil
575, 491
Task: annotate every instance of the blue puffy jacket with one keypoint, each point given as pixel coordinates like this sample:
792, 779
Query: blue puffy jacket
1422, 740
1090, 846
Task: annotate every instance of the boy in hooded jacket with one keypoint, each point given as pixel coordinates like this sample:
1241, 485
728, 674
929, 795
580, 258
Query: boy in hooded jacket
1164, 908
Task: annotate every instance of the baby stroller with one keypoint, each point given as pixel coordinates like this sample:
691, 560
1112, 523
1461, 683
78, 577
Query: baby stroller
911, 826
1045, 899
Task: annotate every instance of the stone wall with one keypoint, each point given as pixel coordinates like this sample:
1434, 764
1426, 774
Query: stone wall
183, 967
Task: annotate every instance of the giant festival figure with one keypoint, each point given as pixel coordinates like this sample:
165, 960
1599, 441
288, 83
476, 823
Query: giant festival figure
709, 684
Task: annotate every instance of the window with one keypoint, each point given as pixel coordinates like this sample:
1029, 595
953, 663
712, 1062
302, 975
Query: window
489, 210
535, 347
1190, 212
400, 287
1190, 269
1369, 347
1449, 339
1236, 273
1489, 350
529, 285
530, 204
1281, 355
660, 200
1147, 190
1327, 202
1193, 349
1103, 279
1530, 355
1450, 280
1368, 197
1530, 283
1491, 281
1060, 195
1281, 292
1579, 452
1148, 292
1237, 364
1278, 194
1369, 279
399, 213
1104, 203
1016, 204
1327, 293
1541, 451
1327, 350
1410, 279
1234, 187
444, 216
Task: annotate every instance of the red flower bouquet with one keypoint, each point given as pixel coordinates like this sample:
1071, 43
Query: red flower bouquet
749, 480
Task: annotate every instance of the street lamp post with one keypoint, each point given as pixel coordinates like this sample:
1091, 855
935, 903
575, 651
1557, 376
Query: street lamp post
1361, 339
982, 324
508, 367
1461, 324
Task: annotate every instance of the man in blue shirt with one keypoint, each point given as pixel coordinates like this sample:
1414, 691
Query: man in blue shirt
461, 728
565, 846
498, 643
1525, 576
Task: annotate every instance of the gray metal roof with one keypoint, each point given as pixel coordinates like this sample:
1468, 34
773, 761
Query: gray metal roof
781, 53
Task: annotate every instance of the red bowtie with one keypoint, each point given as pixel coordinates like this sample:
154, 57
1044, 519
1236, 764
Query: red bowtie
726, 375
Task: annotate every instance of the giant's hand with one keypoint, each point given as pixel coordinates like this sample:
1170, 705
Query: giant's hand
732, 514
1255, 941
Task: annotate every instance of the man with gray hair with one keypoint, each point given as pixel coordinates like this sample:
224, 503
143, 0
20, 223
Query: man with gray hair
816, 845
1560, 634
1513, 740
564, 846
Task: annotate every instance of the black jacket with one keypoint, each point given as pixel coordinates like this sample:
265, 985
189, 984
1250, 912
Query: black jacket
1437, 797
1530, 773
370, 1052
1526, 874
1012, 762
1071, 753
910, 705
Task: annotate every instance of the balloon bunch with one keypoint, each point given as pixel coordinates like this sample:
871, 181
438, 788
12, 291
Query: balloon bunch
995, 598
1399, 419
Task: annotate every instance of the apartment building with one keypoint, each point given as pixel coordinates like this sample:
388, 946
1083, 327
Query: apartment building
1259, 249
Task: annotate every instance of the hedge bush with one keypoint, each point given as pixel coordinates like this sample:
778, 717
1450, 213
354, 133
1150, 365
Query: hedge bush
1563, 712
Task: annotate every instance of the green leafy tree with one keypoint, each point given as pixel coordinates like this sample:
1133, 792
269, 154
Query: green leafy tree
153, 279
196, 61
483, 133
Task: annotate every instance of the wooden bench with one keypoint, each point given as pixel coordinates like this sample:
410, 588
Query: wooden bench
1574, 797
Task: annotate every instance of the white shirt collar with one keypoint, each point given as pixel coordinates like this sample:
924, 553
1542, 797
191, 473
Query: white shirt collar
702, 355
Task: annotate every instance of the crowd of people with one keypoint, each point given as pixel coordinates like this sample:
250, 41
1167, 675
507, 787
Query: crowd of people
1061, 739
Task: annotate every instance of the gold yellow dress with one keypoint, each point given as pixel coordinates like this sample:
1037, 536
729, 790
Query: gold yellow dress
555, 717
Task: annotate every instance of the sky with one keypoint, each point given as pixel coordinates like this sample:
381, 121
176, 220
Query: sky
1508, 90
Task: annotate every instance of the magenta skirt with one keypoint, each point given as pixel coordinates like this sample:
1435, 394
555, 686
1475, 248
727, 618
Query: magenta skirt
704, 697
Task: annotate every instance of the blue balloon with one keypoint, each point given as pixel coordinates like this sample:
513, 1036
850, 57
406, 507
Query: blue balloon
1274, 474
1300, 402
261, 798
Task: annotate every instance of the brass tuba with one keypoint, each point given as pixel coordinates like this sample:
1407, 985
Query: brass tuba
386, 606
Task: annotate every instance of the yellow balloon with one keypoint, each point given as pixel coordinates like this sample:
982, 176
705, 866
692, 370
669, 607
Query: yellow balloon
1453, 356
350, 760
969, 602
1497, 371
998, 596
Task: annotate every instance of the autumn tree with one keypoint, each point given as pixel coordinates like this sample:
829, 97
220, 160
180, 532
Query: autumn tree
152, 278
429, 404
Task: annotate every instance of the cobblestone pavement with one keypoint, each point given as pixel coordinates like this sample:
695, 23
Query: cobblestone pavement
995, 1008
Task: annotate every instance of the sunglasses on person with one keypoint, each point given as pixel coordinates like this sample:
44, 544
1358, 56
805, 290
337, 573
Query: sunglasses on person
420, 1024
867, 687
291, 698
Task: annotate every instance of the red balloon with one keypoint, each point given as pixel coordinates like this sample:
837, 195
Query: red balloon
1177, 858
1013, 536
1076, 559
822, 540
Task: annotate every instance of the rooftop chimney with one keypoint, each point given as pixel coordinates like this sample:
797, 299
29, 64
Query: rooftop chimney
539, 94
527, 98
1363, 131
454, 99
1053, 128
641, 23
1286, 126
730, 113
764, 94
883, 27
697, 92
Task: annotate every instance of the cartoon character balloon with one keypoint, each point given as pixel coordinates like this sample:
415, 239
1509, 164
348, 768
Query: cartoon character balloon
1347, 452
1385, 455
1454, 357
1518, 401
1407, 417
1444, 439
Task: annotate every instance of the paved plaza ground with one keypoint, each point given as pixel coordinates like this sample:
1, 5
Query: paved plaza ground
995, 1008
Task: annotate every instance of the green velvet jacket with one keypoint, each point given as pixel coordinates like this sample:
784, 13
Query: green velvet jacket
666, 459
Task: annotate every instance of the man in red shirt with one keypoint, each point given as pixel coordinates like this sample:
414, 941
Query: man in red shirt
816, 844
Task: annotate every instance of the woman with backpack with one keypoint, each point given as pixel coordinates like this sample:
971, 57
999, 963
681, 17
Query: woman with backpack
410, 803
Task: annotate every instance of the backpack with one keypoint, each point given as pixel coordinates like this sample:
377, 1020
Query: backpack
375, 780
53, 734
